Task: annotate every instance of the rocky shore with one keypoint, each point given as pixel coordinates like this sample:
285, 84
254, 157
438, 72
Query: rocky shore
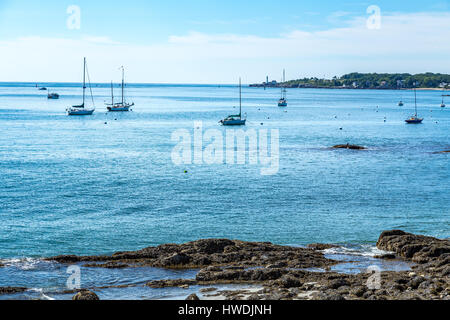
272, 272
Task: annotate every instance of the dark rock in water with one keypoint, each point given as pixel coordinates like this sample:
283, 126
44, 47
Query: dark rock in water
205, 253
420, 249
386, 257
12, 290
322, 246
171, 283
85, 295
349, 146
193, 297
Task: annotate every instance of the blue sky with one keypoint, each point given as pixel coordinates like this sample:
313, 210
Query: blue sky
210, 41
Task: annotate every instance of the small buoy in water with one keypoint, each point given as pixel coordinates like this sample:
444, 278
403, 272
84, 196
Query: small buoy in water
185, 171
340, 128
106, 122
262, 123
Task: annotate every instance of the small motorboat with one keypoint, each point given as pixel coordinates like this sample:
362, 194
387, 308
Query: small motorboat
53, 95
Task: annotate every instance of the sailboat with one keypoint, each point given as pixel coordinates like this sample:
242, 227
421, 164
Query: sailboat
443, 95
283, 102
119, 106
235, 120
81, 110
414, 119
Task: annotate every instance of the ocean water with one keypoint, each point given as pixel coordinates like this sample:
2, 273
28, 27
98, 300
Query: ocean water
107, 183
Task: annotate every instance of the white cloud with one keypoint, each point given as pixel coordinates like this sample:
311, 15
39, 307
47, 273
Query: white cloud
405, 43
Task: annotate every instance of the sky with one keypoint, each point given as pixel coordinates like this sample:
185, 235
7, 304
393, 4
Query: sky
200, 41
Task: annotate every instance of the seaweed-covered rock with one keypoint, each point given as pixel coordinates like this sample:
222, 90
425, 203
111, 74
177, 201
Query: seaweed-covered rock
192, 297
349, 146
12, 290
420, 249
85, 295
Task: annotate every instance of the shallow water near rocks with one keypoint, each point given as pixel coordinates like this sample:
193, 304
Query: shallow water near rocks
129, 283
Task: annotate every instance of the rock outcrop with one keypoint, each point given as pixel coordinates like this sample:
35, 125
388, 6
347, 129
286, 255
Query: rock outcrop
349, 146
11, 290
280, 272
417, 248
86, 295
204, 253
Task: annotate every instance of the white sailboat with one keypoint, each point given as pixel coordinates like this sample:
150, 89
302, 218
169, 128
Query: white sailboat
122, 106
81, 110
283, 102
443, 95
235, 120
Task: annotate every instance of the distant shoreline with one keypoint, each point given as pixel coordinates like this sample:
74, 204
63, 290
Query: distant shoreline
345, 88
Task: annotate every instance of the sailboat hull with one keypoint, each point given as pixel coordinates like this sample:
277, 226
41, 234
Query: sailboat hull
236, 122
414, 121
118, 109
79, 112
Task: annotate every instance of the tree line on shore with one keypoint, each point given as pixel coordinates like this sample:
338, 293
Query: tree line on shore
373, 81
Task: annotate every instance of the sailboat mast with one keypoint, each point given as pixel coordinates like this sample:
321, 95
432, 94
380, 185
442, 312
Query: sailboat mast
84, 81
415, 99
112, 94
240, 98
123, 83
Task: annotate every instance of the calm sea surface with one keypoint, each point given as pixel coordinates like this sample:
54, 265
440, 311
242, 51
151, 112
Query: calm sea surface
107, 183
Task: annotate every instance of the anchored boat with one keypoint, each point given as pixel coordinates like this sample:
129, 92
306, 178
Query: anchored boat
283, 102
81, 110
414, 119
235, 120
122, 106
52, 95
